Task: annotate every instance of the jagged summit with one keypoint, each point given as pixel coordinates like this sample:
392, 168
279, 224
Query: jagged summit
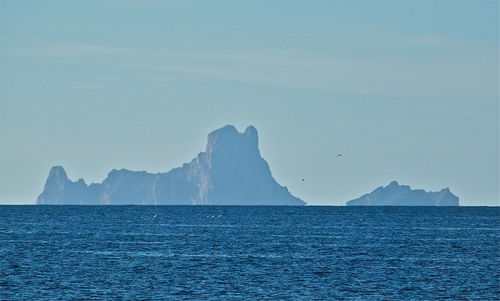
231, 171
228, 139
402, 195
60, 190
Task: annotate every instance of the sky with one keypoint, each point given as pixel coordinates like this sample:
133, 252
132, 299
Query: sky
404, 90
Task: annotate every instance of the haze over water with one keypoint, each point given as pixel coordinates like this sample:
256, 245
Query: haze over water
404, 90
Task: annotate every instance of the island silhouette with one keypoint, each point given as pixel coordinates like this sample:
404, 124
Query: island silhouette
402, 195
230, 171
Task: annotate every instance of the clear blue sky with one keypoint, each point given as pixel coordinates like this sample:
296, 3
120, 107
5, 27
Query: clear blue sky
405, 90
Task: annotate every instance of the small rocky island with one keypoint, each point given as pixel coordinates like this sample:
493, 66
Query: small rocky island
231, 171
402, 195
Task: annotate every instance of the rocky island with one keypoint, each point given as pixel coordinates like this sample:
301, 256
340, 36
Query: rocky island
402, 195
230, 171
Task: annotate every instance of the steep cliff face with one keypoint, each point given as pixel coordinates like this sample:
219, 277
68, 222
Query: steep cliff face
231, 171
402, 195
122, 187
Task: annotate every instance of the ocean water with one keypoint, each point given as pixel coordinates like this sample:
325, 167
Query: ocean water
257, 253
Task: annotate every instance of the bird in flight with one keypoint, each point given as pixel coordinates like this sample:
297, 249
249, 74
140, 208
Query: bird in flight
303, 180
339, 155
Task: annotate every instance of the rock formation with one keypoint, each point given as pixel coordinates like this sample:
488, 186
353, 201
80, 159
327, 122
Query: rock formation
231, 171
402, 195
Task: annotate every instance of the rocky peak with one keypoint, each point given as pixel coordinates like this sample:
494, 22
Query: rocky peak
253, 136
57, 173
227, 142
393, 184
56, 180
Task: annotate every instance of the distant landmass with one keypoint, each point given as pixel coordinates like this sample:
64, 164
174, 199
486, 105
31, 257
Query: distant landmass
402, 195
231, 171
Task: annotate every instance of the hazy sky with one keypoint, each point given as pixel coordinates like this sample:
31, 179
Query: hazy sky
405, 90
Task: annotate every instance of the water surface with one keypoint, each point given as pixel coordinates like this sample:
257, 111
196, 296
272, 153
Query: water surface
212, 252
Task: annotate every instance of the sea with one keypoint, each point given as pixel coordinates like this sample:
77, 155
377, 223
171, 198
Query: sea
249, 253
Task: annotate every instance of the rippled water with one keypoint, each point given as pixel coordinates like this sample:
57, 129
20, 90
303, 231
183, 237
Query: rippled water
182, 252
